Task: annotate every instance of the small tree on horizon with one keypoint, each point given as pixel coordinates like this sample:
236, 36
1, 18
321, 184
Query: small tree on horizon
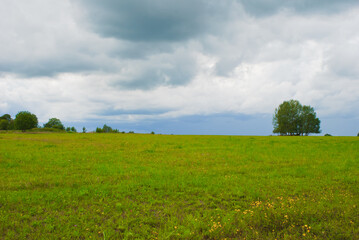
54, 123
106, 129
291, 118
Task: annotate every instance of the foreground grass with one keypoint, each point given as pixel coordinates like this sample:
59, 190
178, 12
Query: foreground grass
130, 186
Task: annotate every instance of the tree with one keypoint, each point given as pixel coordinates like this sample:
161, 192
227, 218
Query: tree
54, 123
286, 118
5, 122
11, 125
71, 130
291, 118
83, 130
25, 120
106, 129
6, 117
309, 123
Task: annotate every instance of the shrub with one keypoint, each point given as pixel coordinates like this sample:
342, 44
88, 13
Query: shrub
327, 135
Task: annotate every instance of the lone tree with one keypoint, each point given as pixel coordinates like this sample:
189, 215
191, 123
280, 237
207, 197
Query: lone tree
25, 120
54, 123
291, 118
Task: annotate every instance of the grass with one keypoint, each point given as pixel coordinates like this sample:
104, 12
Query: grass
132, 186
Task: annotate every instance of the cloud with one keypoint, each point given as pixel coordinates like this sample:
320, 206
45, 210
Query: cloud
148, 21
44, 38
167, 69
263, 8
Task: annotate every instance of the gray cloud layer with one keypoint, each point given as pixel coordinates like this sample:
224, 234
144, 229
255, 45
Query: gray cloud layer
269, 7
151, 20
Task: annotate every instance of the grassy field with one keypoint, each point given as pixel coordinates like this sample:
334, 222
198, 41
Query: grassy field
131, 186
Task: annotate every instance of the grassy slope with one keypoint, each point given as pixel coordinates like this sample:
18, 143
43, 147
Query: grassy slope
110, 186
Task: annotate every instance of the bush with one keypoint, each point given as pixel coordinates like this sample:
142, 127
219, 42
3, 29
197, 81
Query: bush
327, 135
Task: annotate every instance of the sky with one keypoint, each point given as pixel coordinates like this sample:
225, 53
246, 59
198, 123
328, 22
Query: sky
180, 67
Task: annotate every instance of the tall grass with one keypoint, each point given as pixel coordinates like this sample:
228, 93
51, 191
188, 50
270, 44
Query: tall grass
131, 186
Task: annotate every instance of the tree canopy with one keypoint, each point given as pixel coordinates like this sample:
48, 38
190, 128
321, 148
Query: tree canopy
6, 122
25, 120
291, 118
54, 123
106, 129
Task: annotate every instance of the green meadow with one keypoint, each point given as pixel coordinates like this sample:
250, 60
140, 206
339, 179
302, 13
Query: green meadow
133, 186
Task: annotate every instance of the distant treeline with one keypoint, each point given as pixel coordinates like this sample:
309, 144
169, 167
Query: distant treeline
290, 118
25, 120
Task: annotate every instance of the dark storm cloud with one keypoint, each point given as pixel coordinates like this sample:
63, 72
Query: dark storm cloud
172, 20
269, 7
151, 20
